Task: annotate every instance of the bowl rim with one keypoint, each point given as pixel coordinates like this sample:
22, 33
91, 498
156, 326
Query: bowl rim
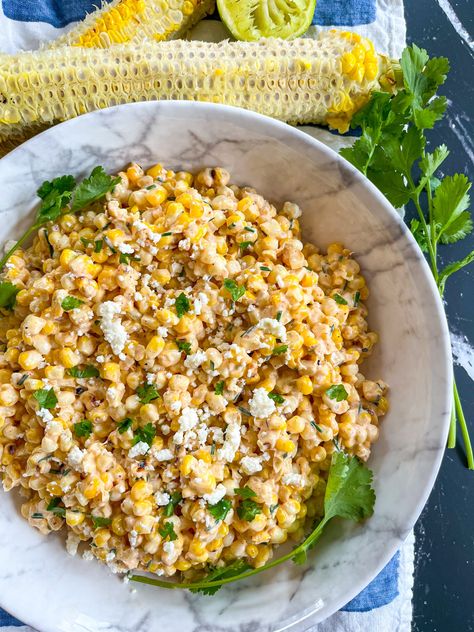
271, 125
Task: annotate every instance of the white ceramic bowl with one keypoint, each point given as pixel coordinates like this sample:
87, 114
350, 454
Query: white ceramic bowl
39, 582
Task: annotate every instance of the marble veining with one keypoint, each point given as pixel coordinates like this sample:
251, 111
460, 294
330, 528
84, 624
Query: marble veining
413, 356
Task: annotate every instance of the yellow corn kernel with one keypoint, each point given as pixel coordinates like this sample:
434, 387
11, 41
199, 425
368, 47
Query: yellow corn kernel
66, 256
28, 360
285, 445
198, 235
158, 443
296, 424
309, 339
141, 490
54, 489
196, 209
110, 371
304, 385
162, 276
204, 455
197, 547
142, 507
215, 545
115, 235
92, 488
118, 526
187, 465
221, 246
11, 355
68, 358
145, 524
134, 172
183, 565
54, 372
101, 537
74, 518
184, 325
155, 346
156, 171
223, 529
382, 405
251, 550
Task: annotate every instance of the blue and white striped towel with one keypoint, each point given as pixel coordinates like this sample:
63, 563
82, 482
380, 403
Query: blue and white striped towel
385, 605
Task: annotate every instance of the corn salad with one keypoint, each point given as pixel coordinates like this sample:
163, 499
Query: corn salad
177, 371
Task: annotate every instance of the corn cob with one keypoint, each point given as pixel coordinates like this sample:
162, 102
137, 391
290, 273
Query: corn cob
320, 81
122, 20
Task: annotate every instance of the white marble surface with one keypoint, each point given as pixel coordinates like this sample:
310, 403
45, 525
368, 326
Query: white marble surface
39, 582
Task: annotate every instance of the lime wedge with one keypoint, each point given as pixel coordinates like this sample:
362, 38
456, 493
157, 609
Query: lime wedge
252, 19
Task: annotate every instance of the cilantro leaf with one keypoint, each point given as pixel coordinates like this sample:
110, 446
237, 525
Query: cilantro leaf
83, 428
337, 392
458, 229
88, 371
147, 393
243, 245
450, 200
349, 495
231, 570
71, 302
182, 305
54, 507
340, 300
124, 425
419, 234
55, 195
248, 509
167, 531
92, 189
46, 398
453, 267
98, 522
220, 510
8, 293
146, 434
236, 291
245, 492
430, 163
219, 388
279, 349
184, 346
277, 398
175, 499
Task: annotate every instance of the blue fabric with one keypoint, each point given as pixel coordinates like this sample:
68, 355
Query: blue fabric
380, 592
344, 12
6, 619
58, 13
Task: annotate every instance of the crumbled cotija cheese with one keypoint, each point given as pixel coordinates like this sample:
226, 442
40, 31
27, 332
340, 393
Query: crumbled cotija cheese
251, 464
113, 330
260, 404
162, 498
217, 495
138, 449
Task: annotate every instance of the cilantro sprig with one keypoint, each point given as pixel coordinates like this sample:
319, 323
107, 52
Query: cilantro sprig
392, 152
349, 495
63, 193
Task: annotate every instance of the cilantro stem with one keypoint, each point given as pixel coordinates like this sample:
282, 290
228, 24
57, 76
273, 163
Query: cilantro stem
464, 430
15, 246
311, 539
416, 200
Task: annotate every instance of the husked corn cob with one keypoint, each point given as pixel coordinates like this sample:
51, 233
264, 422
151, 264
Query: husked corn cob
301, 81
122, 20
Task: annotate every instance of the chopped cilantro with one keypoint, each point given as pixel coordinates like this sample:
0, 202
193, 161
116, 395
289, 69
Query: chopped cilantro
248, 509
175, 499
8, 293
278, 317
279, 349
71, 302
46, 398
236, 291
147, 393
265, 268
243, 245
337, 392
220, 510
182, 305
55, 508
88, 371
98, 245
184, 346
98, 521
245, 492
167, 532
277, 398
124, 425
219, 389
146, 434
83, 428
340, 300
356, 299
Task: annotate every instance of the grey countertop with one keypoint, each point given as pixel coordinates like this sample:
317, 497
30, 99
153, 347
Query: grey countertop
444, 564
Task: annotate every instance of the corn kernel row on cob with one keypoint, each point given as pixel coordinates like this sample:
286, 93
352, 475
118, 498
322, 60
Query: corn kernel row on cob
122, 20
320, 81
